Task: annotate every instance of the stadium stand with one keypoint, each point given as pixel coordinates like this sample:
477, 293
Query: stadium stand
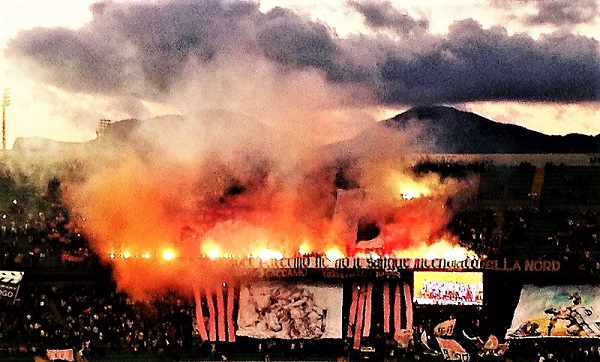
547, 210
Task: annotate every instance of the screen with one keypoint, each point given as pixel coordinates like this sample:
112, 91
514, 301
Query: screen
457, 288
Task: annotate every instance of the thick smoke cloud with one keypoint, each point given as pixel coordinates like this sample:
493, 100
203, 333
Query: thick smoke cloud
242, 169
142, 50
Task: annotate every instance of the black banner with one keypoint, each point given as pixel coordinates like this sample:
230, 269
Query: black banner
9, 291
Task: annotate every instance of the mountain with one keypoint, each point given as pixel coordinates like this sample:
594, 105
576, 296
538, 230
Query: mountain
449, 130
169, 137
423, 129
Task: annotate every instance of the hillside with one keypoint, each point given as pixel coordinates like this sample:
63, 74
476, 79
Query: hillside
448, 130
423, 129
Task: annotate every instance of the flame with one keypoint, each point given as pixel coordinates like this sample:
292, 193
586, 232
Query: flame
305, 248
210, 248
169, 254
267, 254
222, 210
333, 254
213, 253
442, 249
408, 188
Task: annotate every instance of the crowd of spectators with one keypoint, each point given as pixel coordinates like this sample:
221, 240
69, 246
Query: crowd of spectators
568, 235
95, 317
37, 230
556, 350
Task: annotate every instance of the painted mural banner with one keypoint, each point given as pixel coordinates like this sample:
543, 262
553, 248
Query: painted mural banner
290, 310
557, 311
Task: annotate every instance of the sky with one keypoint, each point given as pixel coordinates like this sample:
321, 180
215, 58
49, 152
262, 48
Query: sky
336, 66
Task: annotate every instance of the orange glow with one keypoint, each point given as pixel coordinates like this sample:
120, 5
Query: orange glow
213, 253
210, 248
441, 249
197, 214
267, 254
304, 248
333, 254
168, 254
408, 188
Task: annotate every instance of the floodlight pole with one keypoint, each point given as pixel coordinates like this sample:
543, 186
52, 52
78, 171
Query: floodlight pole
5, 103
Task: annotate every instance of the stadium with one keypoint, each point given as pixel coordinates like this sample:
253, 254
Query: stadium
477, 257
289, 180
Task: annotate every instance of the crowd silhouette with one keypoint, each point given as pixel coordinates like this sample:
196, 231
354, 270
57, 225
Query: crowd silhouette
38, 232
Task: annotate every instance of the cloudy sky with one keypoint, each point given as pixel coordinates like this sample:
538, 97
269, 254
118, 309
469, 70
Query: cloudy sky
70, 63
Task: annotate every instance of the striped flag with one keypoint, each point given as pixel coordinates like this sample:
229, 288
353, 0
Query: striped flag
212, 316
230, 306
368, 307
395, 310
220, 314
200, 322
408, 304
360, 315
386, 308
353, 309
216, 321
397, 314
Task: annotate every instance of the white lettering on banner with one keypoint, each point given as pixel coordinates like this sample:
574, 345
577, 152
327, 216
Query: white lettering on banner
452, 350
8, 291
445, 328
392, 265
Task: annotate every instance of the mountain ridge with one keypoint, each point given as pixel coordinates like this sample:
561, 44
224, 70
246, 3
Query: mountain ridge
427, 129
456, 131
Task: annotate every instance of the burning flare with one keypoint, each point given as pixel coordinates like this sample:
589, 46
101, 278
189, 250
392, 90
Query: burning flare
162, 223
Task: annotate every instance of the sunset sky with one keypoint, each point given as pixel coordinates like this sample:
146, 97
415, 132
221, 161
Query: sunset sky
70, 63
